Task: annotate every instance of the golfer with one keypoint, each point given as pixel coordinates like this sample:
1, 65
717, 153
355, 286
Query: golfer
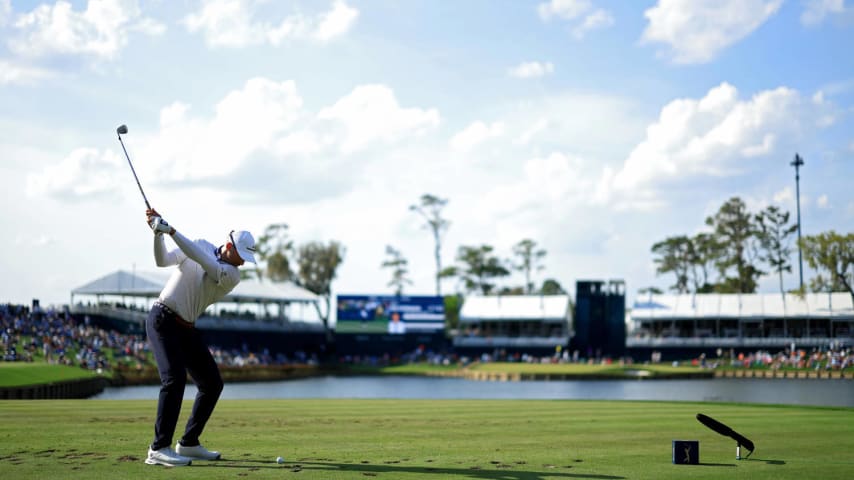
205, 274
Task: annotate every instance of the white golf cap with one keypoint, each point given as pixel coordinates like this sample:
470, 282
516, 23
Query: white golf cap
244, 242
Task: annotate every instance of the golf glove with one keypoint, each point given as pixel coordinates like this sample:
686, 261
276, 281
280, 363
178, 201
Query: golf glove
158, 225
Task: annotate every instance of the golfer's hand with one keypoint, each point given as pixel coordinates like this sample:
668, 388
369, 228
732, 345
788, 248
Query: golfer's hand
150, 214
158, 226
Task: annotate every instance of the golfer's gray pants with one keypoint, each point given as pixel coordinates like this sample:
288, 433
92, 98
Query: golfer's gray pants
178, 348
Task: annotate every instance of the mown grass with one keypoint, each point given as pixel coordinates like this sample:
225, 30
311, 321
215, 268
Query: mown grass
429, 439
16, 374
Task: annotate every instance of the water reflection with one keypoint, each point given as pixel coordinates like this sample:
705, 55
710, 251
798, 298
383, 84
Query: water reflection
839, 393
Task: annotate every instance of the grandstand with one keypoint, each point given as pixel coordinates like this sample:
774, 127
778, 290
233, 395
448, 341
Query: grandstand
517, 323
124, 299
741, 321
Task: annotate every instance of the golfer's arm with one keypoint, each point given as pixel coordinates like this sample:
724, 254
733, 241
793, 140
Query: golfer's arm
206, 259
162, 258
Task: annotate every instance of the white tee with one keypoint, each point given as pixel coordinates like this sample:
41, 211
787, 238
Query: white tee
200, 280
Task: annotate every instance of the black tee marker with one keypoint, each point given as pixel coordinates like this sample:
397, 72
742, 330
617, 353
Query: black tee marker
719, 427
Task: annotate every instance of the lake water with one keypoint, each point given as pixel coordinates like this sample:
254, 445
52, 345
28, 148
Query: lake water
837, 393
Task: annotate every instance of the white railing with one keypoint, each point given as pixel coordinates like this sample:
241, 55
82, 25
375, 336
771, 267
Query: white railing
124, 314
510, 341
713, 342
205, 321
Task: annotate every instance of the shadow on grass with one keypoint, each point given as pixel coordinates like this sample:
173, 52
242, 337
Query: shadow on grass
369, 469
768, 461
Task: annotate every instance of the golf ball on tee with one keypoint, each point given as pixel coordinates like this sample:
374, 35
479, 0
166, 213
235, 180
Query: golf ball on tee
280, 460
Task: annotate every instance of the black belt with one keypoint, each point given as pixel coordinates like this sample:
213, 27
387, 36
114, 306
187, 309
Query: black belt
180, 321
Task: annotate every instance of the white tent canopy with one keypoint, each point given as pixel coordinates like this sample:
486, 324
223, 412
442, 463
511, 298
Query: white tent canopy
125, 284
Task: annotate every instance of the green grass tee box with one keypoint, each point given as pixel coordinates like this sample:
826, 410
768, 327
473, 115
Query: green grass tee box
429, 439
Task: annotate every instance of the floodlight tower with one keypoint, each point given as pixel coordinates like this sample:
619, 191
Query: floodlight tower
797, 163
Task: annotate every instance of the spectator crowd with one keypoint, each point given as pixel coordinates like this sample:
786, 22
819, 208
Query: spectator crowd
57, 337
836, 357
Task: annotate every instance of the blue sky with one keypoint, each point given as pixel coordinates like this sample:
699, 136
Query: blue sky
594, 128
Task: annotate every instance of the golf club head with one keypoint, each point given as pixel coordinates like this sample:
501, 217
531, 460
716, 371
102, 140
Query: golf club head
122, 129
725, 431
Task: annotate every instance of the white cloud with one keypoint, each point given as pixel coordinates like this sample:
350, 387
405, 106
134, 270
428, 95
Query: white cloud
815, 11
99, 31
84, 173
763, 148
547, 198
558, 176
531, 70
529, 133
717, 135
596, 20
697, 31
786, 196
232, 23
475, 134
226, 23
149, 26
544, 125
580, 13
13, 74
336, 22
370, 113
247, 122
5, 11
565, 9
837, 87
261, 129
822, 201
33, 241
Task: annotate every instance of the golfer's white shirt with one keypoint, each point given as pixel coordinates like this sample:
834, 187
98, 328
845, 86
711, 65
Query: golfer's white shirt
200, 280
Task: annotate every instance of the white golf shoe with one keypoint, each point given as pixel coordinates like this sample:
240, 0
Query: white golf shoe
166, 456
197, 453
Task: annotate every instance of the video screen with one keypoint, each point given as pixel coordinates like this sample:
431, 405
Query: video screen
390, 314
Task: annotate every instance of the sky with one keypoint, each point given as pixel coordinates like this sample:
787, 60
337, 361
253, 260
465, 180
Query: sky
595, 128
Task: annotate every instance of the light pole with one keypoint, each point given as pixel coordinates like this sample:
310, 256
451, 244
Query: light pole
797, 162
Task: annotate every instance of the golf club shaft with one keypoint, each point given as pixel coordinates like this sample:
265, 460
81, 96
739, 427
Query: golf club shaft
134, 173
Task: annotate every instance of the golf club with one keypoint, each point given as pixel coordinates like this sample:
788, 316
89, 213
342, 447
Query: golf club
123, 129
719, 427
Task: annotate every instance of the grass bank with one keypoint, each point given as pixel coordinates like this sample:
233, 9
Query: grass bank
16, 374
419, 439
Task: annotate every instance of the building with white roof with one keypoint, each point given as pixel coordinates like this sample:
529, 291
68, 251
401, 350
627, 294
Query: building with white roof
515, 322
741, 320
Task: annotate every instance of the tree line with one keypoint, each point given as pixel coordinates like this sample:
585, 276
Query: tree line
739, 247
477, 268
736, 249
313, 265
